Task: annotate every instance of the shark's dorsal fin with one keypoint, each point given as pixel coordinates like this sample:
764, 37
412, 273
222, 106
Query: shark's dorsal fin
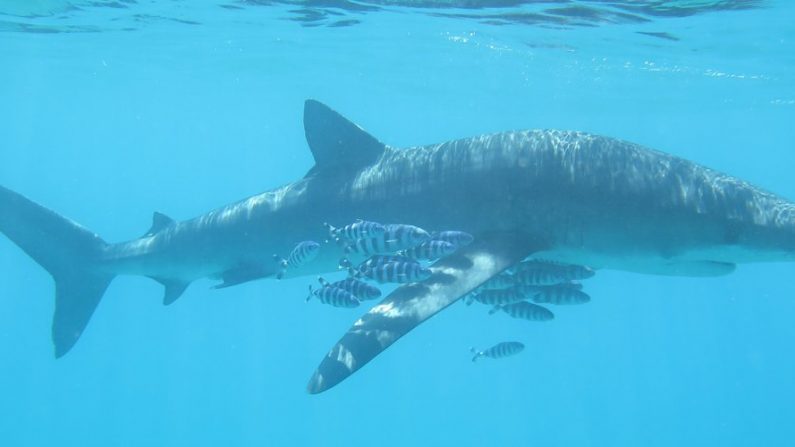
335, 141
159, 221
411, 304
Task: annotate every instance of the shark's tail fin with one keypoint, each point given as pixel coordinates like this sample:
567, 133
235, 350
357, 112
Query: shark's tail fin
69, 252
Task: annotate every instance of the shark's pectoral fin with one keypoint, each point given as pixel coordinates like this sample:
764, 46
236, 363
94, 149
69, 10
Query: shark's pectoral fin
174, 289
411, 304
245, 273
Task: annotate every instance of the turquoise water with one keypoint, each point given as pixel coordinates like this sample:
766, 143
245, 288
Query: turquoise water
113, 110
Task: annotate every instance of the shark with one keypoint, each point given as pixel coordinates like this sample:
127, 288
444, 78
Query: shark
565, 196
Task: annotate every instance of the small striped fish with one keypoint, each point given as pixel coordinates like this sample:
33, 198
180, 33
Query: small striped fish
430, 250
377, 260
543, 273
405, 236
498, 351
496, 297
304, 252
397, 272
457, 238
359, 289
334, 296
525, 311
501, 281
561, 294
371, 246
357, 230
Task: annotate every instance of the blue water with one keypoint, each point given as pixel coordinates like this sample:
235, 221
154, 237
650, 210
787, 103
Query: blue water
112, 110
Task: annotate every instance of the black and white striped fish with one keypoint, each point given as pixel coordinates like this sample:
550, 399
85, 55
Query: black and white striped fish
397, 272
525, 311
457, 238
543, 273
371, 246
359, 289
334, 296
561, 294
357, 230
376, 260
405, 236
495, 297
430, 250
304, 252
498, 351
501, 281
397, 237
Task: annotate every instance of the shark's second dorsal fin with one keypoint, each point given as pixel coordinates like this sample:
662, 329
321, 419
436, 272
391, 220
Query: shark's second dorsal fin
159, 221
335, 141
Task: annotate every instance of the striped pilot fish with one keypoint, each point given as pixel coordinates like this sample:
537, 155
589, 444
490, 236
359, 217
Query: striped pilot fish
371, 262
334, 296
430, 250
397, 237
457, 238
495, 297
357, 230
561, 294
397, 272
524, 311
501, 281
544, 273
304, 252
498, 351
359, 289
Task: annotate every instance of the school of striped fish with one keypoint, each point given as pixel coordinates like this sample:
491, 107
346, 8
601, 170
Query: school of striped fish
401, 253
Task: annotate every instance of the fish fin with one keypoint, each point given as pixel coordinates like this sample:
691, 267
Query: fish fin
159, 222
174, 289
336, 142
494, 310
411, 304
69, 252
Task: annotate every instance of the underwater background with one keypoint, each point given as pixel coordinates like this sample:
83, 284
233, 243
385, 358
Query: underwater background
110, 110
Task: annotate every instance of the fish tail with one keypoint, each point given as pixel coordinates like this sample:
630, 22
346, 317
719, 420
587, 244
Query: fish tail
477, 354
309, 297
69, 252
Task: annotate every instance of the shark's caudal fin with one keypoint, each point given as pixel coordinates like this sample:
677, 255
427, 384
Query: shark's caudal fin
69, 252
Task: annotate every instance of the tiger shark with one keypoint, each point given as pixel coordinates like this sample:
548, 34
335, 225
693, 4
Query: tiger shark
565, 196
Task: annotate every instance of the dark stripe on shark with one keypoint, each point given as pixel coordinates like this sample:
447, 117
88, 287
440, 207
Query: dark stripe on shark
411, 304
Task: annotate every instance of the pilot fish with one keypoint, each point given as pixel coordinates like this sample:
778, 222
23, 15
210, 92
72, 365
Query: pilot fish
359, 289
543, 273
334, 296
430, 250
304, 252
397, 272
524, 311
494, 297
357, 230
499, 350
561, 294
